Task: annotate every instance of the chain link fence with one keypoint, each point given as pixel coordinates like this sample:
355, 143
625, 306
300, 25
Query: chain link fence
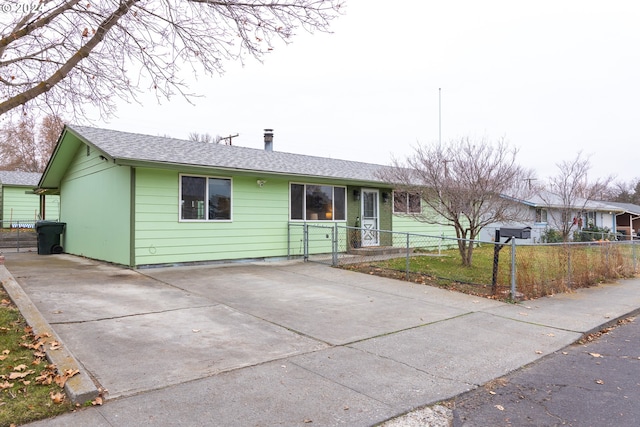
505, 270
18, 235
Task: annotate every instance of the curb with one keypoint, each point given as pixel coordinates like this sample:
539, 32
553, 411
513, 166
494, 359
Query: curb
80, 388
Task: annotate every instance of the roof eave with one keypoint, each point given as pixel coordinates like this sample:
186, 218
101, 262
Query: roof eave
244, 171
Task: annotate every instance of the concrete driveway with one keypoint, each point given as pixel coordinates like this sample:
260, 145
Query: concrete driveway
283, 343
137, 330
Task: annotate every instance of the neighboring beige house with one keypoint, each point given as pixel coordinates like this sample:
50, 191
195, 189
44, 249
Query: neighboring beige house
19, 205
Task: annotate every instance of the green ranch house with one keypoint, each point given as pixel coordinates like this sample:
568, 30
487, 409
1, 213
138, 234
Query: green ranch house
141, 200
20, 207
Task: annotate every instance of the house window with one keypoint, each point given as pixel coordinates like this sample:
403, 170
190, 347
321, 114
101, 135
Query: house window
318, 202
406, 203
205, 198
541, 215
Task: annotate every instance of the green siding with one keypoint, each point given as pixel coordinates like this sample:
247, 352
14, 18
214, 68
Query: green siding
52, 207
386, 218
18, 205
409, 224
258, 227
95, 204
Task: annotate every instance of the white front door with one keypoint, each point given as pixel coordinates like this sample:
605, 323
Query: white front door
370, 220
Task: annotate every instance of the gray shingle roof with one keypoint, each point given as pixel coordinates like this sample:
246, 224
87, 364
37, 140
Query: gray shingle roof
550, 200
27, 179
628, 207
137, 147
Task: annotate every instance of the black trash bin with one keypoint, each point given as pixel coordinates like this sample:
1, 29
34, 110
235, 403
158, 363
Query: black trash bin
49, 237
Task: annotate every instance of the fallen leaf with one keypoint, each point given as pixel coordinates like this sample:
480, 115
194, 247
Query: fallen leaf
492, 392
599, 382
5, 352
551, 334
595, 354
6, 384
307, 421
565, 353
500, 407
57, 397
195, 330
45, 379
17, 375
54, 345
538, 352
97, 401
71, 372
60, 380
20, 367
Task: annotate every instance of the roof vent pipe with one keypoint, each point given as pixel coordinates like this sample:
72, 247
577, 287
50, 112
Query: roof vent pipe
268, 139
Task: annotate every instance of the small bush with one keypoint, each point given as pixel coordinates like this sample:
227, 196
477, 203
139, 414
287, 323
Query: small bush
551, 235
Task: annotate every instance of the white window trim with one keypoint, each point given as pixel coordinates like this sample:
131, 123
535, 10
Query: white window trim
406, 211
180, 219
304, 203
535, 214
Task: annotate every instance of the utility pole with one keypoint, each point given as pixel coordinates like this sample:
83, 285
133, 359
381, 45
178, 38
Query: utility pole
439, 115
228, 139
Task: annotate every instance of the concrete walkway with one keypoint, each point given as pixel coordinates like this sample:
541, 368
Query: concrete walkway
287, 343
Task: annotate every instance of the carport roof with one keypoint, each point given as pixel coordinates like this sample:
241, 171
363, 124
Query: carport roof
628, 207
134, 149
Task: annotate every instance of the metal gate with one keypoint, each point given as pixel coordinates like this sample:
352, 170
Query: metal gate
314, 242
17, 235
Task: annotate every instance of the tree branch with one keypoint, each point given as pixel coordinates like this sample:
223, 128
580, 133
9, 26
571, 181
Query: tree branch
62, 72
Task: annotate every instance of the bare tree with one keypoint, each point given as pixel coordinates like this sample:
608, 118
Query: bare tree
61, 55
204, 137
465, 185
26, 145
569, 193
625, 192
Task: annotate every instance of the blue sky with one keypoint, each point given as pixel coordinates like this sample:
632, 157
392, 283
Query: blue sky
551, 77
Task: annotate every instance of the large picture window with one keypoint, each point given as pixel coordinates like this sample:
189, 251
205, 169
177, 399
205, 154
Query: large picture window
318, 202
406, 203
205, 198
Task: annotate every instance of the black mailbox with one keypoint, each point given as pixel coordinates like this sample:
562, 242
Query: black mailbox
517, 233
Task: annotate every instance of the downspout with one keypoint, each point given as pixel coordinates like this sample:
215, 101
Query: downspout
132, 217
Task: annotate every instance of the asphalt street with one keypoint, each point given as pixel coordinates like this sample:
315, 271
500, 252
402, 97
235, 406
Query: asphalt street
594, 384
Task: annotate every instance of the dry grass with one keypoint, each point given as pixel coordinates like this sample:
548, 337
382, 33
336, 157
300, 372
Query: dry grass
540, 269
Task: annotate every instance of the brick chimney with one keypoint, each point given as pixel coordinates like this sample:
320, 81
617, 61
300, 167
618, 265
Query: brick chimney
268, 139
